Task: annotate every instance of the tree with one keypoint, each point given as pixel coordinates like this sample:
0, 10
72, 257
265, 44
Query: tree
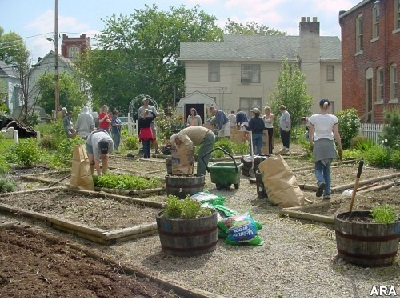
291, 91
250, 28
13, 51
138, 54
70, 95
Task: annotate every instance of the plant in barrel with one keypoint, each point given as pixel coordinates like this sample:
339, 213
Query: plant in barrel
186, 228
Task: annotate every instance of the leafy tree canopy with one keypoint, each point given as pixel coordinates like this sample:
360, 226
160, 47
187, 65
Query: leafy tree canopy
70, 95
138, 54
291, 91
249, 28
12, 48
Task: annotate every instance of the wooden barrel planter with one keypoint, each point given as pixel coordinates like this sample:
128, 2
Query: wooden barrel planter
188, 237
181, 186
365, 243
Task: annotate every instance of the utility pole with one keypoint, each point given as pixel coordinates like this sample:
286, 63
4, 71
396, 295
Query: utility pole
56, 81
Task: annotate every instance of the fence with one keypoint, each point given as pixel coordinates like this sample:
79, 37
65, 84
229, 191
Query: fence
371, 131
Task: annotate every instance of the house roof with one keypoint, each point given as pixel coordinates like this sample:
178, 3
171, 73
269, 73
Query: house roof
256, 48
6, 70
354, 8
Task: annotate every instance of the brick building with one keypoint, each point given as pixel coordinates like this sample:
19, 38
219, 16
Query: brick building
371, 58
72, 47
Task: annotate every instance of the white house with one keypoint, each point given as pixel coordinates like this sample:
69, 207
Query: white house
241, 71
10, 87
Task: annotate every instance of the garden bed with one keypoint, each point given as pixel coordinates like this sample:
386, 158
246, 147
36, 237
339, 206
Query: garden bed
98, 217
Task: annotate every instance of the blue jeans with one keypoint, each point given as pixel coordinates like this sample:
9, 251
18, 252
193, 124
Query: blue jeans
323, 175
116, 138
146, 148
257, 143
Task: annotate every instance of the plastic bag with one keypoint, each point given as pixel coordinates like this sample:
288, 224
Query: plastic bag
240, 229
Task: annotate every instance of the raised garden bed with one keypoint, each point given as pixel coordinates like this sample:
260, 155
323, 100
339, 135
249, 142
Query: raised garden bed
99, 217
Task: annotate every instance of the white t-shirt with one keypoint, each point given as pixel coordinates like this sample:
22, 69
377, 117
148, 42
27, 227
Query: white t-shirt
323, 125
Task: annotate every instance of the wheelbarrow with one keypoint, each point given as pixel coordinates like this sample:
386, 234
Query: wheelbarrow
223, 174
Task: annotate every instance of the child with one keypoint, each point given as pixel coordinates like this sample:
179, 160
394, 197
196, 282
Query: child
145, 132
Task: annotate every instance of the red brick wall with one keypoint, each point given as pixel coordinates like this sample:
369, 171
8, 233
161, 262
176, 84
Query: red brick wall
380, 53
83, 42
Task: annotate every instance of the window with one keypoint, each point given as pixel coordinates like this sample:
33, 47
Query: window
73, 52
330, 73
250, 73
248, 103
213, 72
359, 34
379, 84
396, 14
393, 82
375, 20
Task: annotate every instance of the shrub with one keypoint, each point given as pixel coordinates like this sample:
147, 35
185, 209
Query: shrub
360, 142
26, 152
395, 158
131, 143
378, 156
125, 181
6, 185
349, 125
390, 135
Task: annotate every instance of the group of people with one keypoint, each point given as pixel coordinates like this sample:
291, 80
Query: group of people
322, 132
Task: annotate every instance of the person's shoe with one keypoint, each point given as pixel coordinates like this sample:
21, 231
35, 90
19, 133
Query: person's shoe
326, 197
156, 152
320, 190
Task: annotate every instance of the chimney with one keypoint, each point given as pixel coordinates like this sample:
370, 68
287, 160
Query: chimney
308, 27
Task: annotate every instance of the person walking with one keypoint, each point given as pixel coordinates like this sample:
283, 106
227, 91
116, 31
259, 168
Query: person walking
69, 125
323, 131
220, 122
257, 127
284, 126
145, 132
84, 123
98, 146
147, 106
116, 126
104, 119
194, 119
268, 119
200, 136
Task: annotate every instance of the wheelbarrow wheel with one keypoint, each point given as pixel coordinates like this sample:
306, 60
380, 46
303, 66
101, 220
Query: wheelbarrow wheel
236, 185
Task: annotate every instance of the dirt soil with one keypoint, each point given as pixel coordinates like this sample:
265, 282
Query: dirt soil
37, 263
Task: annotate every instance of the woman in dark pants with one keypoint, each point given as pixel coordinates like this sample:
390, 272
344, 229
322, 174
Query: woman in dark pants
145, 132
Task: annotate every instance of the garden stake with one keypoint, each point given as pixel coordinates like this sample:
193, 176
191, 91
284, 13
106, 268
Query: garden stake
360, 165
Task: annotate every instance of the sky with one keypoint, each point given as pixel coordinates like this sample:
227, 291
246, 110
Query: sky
33, 20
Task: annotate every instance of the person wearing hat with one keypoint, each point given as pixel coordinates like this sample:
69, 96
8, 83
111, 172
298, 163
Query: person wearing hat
257, 127
98, 146
323, 131
146, 106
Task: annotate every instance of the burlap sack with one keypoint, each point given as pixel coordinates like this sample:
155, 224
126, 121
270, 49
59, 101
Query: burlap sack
81, 177
280, 182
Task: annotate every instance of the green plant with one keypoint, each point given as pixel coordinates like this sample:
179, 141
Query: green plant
384, 214
26, 153
6, 185
125, 181
63, 154
360, 142
187, 208
131, 143
378, 156
390, 135
349, 125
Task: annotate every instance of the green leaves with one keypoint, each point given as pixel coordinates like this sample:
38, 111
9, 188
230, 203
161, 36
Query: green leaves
125, 181
349, 125
185, 209
384, 214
